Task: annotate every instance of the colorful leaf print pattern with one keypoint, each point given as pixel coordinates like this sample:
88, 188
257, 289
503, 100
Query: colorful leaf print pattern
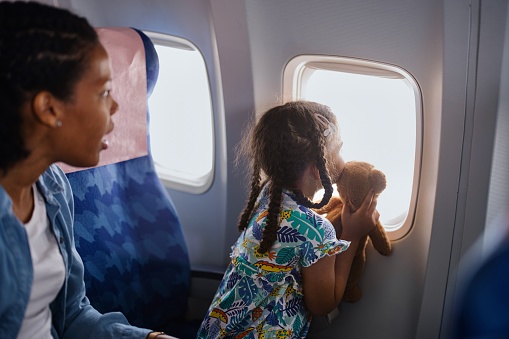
261, 293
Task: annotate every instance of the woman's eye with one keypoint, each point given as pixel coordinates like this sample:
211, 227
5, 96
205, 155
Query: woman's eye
106, 93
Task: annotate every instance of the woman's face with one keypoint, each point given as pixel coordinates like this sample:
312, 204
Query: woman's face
87, 115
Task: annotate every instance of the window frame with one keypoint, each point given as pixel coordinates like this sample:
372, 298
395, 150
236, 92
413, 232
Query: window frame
204, 182
300, 68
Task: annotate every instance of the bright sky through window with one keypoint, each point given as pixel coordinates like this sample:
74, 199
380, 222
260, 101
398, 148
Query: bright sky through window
181, 117
377, 117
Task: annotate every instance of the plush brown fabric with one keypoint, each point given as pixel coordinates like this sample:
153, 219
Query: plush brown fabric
356, 181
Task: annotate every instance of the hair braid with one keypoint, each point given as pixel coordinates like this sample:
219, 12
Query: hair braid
326, 182
281, 146
255, 190
272, 221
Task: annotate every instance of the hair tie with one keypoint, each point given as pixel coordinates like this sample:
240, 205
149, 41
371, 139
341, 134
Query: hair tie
324, 121
328, 131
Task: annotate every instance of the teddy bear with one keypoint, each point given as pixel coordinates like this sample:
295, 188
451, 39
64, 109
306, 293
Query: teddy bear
355, 182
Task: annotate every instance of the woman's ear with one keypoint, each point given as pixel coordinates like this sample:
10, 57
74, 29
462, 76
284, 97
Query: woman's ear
45, 109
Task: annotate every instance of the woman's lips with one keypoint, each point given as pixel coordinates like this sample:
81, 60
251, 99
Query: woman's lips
104, 144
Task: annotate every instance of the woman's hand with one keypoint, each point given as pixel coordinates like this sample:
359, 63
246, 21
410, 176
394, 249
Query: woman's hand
359, 223
159, 335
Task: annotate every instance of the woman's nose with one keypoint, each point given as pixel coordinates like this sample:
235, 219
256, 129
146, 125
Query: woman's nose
114, 106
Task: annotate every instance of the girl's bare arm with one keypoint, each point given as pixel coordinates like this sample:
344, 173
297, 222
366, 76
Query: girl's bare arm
324, 282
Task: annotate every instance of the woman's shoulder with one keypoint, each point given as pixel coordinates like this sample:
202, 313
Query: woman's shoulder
54, 181
54, 173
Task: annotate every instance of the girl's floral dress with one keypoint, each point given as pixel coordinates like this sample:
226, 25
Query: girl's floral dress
261, 295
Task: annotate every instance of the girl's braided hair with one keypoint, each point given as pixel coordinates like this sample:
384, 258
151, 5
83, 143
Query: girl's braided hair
42, 48
284, 142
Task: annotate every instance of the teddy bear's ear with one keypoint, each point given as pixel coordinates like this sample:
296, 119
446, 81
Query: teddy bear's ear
377, 180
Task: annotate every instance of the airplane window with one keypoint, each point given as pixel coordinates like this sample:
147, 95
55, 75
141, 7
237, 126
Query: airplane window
378, 108
181, 125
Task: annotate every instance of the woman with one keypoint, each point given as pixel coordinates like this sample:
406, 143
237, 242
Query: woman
55, 106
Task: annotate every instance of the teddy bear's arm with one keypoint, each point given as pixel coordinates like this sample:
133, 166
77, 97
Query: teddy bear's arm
333, 204
380, 240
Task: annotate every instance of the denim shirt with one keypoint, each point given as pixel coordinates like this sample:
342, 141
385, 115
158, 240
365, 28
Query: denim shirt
72, 315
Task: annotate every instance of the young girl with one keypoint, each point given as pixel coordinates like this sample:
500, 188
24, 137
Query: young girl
287, 264
55, 105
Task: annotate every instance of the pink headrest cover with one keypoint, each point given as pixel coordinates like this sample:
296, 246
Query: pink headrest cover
129, 88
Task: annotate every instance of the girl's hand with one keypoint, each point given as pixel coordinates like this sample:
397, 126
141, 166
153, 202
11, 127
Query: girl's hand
359, 223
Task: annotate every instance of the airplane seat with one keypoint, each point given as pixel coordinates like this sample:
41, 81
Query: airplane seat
127, 230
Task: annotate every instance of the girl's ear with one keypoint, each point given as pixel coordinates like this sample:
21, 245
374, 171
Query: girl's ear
45, 108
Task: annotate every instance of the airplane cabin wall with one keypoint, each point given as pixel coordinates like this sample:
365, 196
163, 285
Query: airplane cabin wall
408, 34
498, 200
474, 45
246, 45
455, 51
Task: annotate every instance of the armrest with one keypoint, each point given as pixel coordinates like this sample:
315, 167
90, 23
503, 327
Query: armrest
204, 284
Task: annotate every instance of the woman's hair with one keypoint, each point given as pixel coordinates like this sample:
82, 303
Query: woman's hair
284, 142
42, 48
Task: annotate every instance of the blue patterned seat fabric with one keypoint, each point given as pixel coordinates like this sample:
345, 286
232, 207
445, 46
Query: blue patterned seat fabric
129, 236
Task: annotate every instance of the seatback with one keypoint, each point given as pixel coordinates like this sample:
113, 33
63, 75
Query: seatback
127, 230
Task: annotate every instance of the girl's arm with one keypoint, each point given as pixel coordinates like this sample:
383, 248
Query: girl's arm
324, 282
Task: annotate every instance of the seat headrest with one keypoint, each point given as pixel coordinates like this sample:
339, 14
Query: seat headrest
151, 62
127, 49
